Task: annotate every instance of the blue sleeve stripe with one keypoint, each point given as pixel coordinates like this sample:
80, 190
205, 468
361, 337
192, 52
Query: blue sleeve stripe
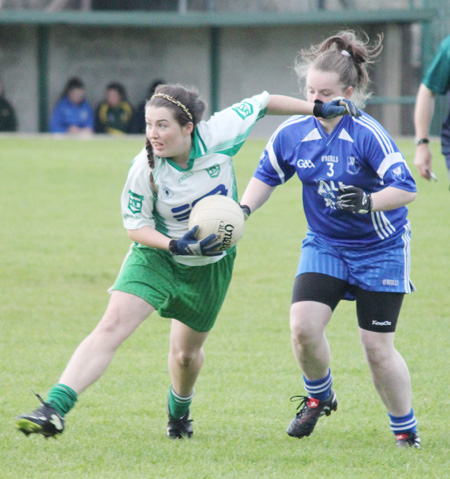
274, 162
379, 134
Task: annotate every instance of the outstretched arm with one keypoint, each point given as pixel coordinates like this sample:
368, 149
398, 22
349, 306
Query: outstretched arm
256, 194
286, 105
423, 113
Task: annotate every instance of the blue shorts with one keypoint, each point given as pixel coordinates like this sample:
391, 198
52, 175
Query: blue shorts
384, 268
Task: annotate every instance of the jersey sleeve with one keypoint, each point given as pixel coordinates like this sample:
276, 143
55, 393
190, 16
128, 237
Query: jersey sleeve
437, 77
385, 158
274, 167
226, 131
395, 172
137, 196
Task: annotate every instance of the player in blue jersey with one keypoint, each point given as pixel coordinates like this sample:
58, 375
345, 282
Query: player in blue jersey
167, 268
356, 184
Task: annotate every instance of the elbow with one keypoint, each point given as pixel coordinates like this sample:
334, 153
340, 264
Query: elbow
131, 234
411, 197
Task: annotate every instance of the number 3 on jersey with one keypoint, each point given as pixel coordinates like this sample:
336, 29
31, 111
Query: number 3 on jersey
330, 171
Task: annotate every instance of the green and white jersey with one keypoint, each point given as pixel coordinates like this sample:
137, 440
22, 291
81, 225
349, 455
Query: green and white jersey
210, 172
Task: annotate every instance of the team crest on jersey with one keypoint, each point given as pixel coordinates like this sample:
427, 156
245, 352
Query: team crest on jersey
399, 173
135, 202
214, 171
244, 109
166, 193
353, 165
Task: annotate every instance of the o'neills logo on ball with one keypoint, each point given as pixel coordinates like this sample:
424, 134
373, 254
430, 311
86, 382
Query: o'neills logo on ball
226, 233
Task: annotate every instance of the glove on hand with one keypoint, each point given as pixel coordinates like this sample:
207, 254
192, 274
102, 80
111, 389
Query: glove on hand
188, 245
246, 210
354, 199
350, 107
335, 108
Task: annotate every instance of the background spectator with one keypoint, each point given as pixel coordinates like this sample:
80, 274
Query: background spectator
435, 82
114, 114
138, 122
72, 113
8, 121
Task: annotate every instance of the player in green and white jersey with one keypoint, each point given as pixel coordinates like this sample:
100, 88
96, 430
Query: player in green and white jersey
167, 269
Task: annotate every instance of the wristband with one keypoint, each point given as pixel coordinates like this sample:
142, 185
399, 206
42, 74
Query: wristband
317, 110
173, 246
246, 210
422, 141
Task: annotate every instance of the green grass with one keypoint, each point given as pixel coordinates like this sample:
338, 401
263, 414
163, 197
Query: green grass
62, 245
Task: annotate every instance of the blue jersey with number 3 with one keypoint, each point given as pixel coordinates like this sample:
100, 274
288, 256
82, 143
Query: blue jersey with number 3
358, 152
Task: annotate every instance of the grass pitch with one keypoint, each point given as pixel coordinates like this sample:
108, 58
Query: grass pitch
62, 245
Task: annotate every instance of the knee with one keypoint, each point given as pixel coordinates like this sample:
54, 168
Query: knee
377, 353
109, 324
308, 322
109, 331
185, 358
301, 332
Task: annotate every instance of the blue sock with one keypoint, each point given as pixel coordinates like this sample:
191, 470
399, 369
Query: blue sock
319, 388
401, 424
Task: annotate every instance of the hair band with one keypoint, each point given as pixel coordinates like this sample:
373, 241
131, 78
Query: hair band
174, 101
345, 53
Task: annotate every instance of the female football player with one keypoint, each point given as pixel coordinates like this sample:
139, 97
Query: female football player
167, 269
356, 184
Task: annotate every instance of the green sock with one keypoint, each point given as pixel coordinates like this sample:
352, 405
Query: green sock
179, 405
62, 398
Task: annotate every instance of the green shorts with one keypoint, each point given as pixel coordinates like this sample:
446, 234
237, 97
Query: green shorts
190, 294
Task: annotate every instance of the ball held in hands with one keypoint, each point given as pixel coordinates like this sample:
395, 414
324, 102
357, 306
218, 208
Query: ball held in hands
189, 245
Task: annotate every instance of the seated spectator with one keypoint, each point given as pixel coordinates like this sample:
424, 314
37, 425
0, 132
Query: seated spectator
8, 121
72, 113
114, 114
138, 122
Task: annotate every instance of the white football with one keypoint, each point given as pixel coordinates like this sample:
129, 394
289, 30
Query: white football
219, 215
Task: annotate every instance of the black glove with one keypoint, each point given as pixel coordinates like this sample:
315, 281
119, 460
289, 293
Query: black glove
354, 199
246, 210
191, 246
335, 108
